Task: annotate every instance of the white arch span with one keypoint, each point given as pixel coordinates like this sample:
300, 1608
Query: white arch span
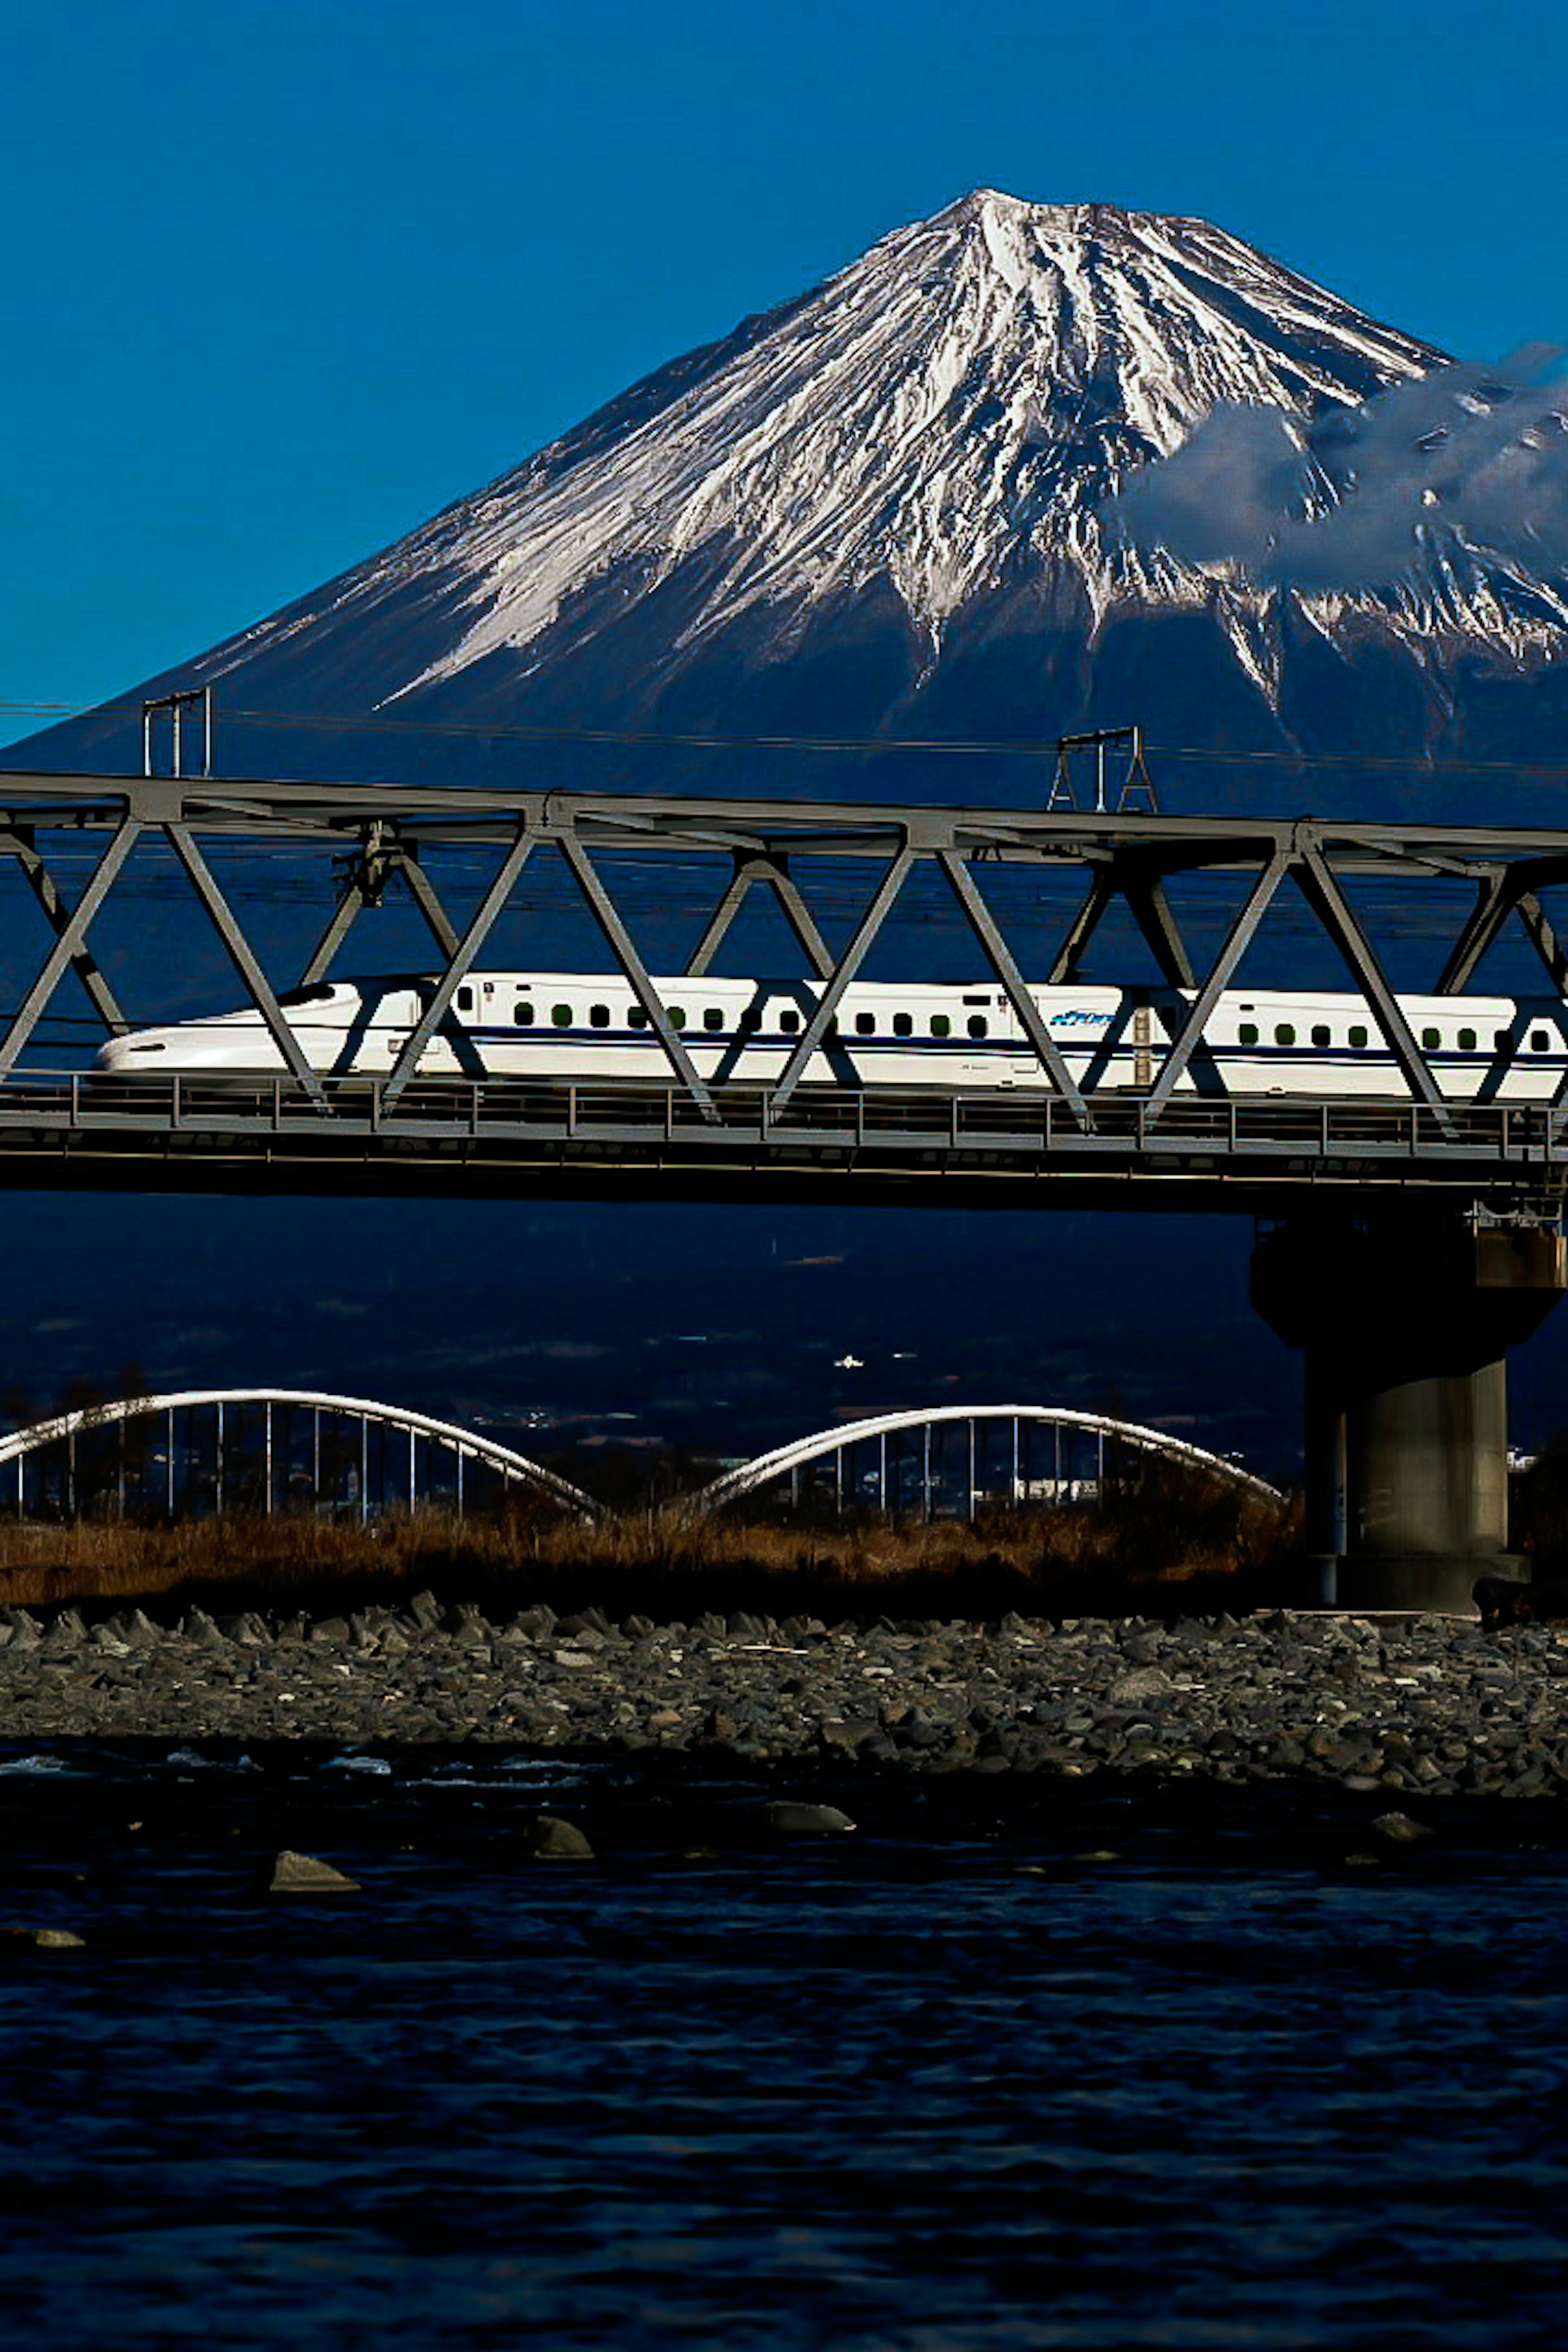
825, 1442
465, 1444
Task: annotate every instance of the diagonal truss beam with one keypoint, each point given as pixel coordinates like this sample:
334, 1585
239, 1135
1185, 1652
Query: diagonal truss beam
849, 964
1532, 915
1320, 889
378, 860
183, 843
1496, 896
1237, 940
1000, 956
619, 940
775, 872
462, 956
1505, 890
1140, 883
1067, 961
1146, 893
69, 943
18, 844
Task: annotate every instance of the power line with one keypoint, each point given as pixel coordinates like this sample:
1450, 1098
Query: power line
837, 746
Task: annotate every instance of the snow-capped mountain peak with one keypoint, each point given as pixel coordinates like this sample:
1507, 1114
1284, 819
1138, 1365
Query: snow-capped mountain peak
898, 504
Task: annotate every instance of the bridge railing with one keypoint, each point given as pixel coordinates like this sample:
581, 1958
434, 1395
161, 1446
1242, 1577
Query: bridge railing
1032, 1122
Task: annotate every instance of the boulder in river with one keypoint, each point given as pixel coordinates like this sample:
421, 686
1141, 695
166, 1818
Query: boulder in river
558, 1841
302, 1874
788, 1819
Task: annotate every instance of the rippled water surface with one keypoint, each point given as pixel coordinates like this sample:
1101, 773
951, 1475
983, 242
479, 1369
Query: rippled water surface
950, 2082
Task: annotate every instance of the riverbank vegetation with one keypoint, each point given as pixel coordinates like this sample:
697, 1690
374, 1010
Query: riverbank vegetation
1173, 1541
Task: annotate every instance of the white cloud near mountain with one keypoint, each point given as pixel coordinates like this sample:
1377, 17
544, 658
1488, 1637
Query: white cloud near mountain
1468, 460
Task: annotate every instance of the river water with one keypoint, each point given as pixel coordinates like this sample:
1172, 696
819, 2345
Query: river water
1018, 2064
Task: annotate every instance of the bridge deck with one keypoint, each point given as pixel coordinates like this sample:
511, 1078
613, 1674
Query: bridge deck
477, 1137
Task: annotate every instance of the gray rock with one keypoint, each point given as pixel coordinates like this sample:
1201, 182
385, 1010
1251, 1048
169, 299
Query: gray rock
558, 1841
302, 1874
786, 1817
1143, 1684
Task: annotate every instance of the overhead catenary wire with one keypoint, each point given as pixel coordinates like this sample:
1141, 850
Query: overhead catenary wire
374, 722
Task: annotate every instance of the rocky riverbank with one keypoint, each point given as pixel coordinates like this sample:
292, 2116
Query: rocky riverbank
1428, 1705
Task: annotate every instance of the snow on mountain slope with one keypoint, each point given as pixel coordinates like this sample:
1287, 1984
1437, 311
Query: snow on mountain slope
886, 507
946, 413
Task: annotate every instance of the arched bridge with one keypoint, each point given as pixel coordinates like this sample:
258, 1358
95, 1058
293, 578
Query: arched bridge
260, 1450
898, 1461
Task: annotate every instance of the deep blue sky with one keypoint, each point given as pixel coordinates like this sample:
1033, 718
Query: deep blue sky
280, 279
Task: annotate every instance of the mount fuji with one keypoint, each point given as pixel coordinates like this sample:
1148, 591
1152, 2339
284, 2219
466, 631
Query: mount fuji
926, 499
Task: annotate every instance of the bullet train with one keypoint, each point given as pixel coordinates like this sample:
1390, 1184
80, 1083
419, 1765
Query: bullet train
588, 1028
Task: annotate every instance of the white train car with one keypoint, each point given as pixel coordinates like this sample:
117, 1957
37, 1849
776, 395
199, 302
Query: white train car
588, 1028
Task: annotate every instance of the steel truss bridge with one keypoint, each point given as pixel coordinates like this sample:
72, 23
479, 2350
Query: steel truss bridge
268, 1451
1046, 1138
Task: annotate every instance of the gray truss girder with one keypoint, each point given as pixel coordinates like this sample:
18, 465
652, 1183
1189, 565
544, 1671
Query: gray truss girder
1129, 855
45, 890
1069, 956
619, 940
69, 942
479, 929
849, 964
1495, 897
1237, 940
775, 873
1146, 893
423, 891
1000, 956
343, 916
1328, 901
240, 955
1532, 915
380, 858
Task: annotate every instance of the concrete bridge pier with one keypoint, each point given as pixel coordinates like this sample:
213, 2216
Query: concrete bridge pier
1406, 1320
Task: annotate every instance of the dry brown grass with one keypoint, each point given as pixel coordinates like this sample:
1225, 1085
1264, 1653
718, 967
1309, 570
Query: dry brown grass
1174, 1541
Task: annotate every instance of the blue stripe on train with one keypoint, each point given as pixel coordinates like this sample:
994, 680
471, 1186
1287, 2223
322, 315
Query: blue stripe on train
1260, 1056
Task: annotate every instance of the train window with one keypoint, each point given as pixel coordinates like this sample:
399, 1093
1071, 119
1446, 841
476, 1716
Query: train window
1499, 1040
1285, 1033
1320, 1033
1358, 1033
1467, 1041
562, 1015
904, 1024
940, 1026
1540, 1042
1430, 1040
713, 1017
599, 1016
864, 1024
977, 1024
464, 999
676, 1015
522, 1015
789, 1021
1247, 1033
635, 1017
832, 1029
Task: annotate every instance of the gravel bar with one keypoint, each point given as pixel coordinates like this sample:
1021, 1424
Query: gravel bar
1432, 1704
